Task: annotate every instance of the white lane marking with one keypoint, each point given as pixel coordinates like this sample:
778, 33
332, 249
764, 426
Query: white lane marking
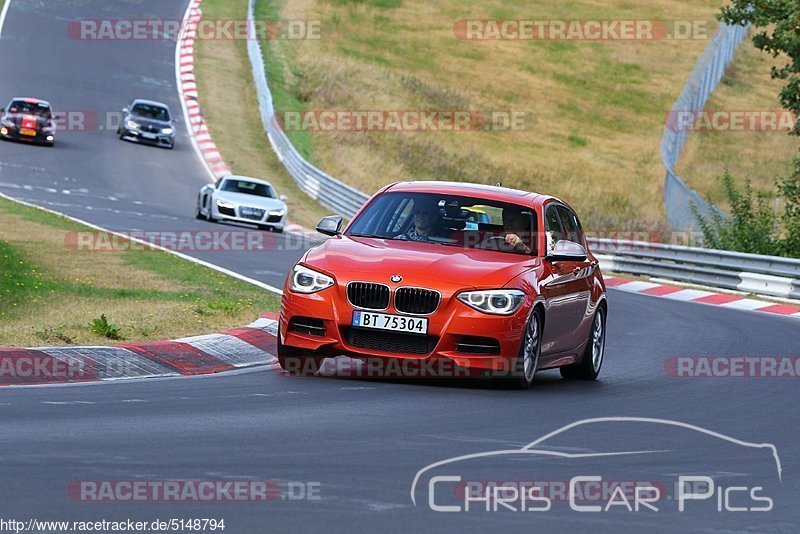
66, 403
3, 16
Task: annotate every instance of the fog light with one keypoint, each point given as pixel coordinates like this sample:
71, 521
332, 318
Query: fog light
4, 131
50, 138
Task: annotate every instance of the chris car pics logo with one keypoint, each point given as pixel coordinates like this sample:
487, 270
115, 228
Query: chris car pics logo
559, 471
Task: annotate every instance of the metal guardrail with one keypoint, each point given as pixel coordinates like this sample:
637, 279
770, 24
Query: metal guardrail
328, 191
706, 76
751, 273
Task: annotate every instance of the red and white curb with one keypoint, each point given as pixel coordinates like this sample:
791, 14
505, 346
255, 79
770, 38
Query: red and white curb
723, 300
187, 88
252, 345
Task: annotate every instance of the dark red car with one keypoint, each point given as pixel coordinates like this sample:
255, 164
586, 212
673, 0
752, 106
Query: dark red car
29, 120
414, 278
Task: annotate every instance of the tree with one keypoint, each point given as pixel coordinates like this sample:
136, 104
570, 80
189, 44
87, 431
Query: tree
778, 22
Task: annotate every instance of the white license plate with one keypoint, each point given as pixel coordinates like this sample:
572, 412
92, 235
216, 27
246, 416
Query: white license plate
148, 135
394, 323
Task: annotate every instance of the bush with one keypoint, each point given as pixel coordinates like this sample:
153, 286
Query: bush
752, 225
103, 328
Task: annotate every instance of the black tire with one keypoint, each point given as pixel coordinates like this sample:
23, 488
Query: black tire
523, 373
197, 213
277, 230
591, 363
297, 362
209, 217
265, 227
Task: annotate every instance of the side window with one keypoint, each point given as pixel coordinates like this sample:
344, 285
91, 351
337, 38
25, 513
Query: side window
553, 223
571, 226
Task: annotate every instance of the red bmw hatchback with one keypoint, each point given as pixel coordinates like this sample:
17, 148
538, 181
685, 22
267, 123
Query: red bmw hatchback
494, 281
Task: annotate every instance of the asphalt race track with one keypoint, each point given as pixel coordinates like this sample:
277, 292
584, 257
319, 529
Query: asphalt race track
359, 443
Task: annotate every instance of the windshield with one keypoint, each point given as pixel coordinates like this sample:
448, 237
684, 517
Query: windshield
449, 220
29, 108
248, 188
147, 111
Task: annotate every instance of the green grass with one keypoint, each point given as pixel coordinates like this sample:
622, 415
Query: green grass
52, 293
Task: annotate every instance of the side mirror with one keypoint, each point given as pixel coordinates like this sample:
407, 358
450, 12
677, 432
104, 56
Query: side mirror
283, 198
331, 225
566, 251
125, 110
175, 120
2, 110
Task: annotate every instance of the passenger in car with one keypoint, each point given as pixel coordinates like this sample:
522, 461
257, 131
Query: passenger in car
516, 224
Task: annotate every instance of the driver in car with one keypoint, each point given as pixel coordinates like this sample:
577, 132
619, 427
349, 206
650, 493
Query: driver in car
427, 221
516, 222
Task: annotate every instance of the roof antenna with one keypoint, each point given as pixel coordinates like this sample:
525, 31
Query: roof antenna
499, 184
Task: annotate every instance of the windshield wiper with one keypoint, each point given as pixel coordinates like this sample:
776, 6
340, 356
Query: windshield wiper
370, 235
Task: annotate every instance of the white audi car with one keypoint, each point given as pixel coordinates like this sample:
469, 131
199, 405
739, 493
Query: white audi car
244, 200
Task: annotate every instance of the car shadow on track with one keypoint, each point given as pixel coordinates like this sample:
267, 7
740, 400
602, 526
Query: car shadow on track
549, 381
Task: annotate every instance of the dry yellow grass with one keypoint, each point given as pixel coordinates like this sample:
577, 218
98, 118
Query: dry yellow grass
599, 107
50, 293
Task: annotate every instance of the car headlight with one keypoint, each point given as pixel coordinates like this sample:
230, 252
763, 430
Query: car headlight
494, 301
305, 280
225, 204
277, 213
167, 131
132, 125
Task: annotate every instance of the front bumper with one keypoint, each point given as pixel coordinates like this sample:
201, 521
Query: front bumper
449, 329
157, 139
233, 215
14, 134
